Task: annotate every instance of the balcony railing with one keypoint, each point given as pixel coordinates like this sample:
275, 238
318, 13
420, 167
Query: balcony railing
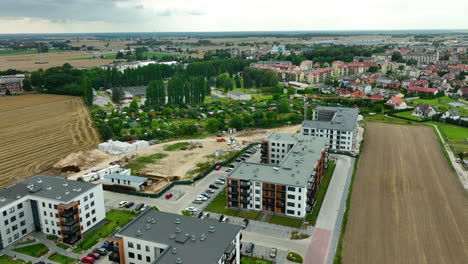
69, 212
69, 221
71, 230
72, 240
233, 185
246, 193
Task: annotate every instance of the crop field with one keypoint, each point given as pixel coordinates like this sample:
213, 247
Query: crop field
39, 130
407, 205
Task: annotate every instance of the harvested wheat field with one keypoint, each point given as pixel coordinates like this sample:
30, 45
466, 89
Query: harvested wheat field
38, 130
407, 205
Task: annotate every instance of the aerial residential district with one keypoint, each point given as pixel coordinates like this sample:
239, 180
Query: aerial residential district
260, 147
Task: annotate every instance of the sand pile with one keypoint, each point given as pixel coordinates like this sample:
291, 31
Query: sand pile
82, 159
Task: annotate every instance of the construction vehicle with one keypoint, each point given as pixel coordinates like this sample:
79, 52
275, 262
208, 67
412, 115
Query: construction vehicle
220, 140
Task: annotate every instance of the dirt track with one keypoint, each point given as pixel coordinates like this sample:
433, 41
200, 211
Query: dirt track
406, 206
38, 130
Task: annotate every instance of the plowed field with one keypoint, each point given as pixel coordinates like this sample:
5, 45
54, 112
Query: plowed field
38, 130
407, 205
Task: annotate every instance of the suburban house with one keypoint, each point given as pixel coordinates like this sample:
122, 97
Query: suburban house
424, 111
51, 205
337, 124
160, 238
287, 179
236, 95
123, 181
397, 103
14, 87
452, 114
376, 97
417, 89
463, 92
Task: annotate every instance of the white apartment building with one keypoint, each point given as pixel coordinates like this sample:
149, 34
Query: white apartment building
337, 124
160, 237
287, 179
51, 205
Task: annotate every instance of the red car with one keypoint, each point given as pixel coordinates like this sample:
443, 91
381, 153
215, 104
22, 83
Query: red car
94, 255
218, 167
88, 260
169, 196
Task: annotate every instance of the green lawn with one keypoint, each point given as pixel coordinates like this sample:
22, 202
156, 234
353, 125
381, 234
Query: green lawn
138, 164
209, 100
286, 221
60, 245
36, 250
4, 259
27, 241
62, 259
115, 219
149, 55
177, 146
407, 114
455, 136
440, 103
322, 190
25, 52
218, 205
254, 260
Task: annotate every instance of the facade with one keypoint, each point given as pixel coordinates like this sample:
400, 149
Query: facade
397, 103
51, 205
451, 113
13, 86
287, 179
236, 95
160, 237
424, 111
126, 181
337, 124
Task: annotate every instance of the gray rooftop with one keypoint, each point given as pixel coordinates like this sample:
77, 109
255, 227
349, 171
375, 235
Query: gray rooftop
54, 188
343, 119
236, 93
209, 250
125, 177
296, 167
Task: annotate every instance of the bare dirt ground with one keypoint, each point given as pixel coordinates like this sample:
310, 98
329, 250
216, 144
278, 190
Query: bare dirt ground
38, 130
53, 59
180, 162
407, 205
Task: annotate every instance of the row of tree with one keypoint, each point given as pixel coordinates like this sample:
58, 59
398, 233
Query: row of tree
179, 90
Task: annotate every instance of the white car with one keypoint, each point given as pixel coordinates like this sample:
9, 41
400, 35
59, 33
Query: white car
122, 204
191, 209
203, 198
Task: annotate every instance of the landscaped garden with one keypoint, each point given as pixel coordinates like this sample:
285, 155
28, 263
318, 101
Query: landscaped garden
4, 259
36, 250
115, 219
61, 259
254, 260
218, 205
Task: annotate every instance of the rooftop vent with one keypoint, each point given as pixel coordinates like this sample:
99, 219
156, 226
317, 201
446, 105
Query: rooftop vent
292, 175
178, 229
67, 191
2, 199
172, 236
65, 184
177, 221
178, 261
39, 180
148, 219
30, 186
18, 196
202, 237
148, 226
58, 197
74, 189
173, 250
78, 189
153, 221
138, 233
193, 238
48, 187
211, 229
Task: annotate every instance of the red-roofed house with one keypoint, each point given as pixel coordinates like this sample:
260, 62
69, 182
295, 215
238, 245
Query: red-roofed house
358, 94
343, 92
463, 92
376, 97
416, 89
397, 103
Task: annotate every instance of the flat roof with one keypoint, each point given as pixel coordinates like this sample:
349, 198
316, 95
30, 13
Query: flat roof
54, 188
236, 93
163, 231
295, 168
125, 177
344, 119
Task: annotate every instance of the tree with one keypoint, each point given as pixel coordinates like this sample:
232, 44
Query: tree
291, 90
36, 78
116, 94
27, 84
119, 55
401, 67
396, 56
212, 125
237, 122
7, 92
412, 62
373, 68
86, 90
133, 106
107, 133
283, 106
238, 82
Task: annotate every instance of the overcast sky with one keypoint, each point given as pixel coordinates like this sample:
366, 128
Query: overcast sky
75, 16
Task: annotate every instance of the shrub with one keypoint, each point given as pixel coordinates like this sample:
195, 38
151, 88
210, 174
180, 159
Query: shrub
294, 257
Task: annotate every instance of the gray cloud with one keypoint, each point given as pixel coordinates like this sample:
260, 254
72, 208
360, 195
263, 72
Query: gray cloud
66, 11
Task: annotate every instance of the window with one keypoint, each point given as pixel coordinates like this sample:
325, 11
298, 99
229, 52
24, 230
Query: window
86, 207
11, 210
6, 222
24, 231
112, 179
257, 199
131, 255
21, 214
91, 195
139, 256
298, 205
43, 204
87, 215
292, 189
298, 213
130, 244
53, 231
300, 189
94, 219
46, 222
290, 211
147, 249
257, 191
299, 198
51, 223
9, 240
86, 198
291, 204
148, 259
4, 213
93, 211
13, 218
88, 223
47, 230
23, 223
257, 206
92, 203
138, 246
257, 184
8, 231
16, 236
20, 205
51, 214
50, 206
290, 196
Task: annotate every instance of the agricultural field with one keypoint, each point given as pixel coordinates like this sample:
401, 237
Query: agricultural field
35, 61
407, 205
39, 130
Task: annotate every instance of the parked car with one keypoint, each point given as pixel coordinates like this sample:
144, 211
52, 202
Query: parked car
219, 182
218, 167
458, 160
107, 245
203, 198
191, 209
94, 255
273, 253
169, 195
122, 204
210, 191
212, 186
129, 204
232, 166
245, 223
225, 219
139, 206
220, 218
238, 160
100, 251
197, 201
144, 207
205, 215
88, 260
249, 249
206, 195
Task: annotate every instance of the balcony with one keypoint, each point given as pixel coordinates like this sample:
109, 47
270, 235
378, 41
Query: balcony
69, 221
114, 257
71, 240
69, 212
268, 195
71, 230
245, 200
233, 191
233, 185
246, 193
233, 199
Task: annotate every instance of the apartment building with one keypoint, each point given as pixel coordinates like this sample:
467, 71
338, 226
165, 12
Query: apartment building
337, 124
286, 180
51, 205
160, 237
